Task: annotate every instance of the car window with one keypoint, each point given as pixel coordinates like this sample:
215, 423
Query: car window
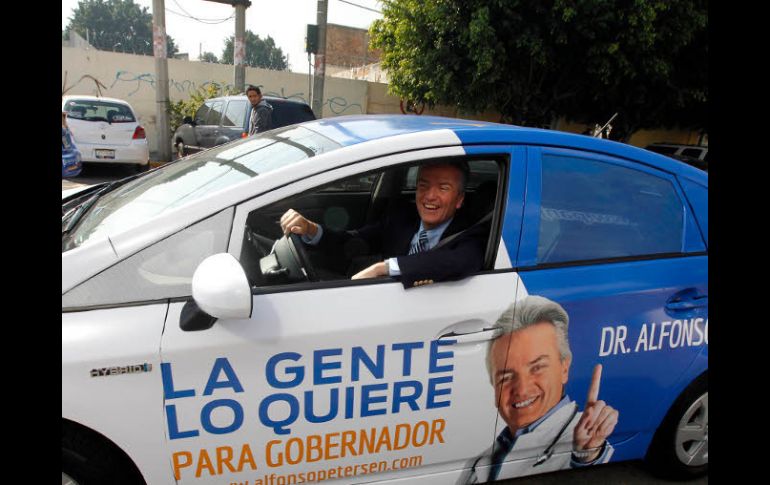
662, 149
163, 270
363, 183
348, 204
481, 171
692, 152
97, 110
203, 111
235, 114
593, 209
215, 113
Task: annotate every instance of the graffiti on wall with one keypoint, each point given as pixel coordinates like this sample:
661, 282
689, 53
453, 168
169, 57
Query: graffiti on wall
337, 105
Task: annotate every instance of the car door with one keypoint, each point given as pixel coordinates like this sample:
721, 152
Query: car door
615, 243
209, 132
357, 380
232, 120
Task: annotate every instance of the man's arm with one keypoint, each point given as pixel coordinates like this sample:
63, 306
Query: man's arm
456, 260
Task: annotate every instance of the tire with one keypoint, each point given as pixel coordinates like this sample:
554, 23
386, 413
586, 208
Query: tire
90, 459
679, 448
180, 151
142, 167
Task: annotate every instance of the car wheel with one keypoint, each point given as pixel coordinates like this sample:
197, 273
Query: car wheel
86, 459
680, 446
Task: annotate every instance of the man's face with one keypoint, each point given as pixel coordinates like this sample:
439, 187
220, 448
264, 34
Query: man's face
528, 374
439, 194
254, 98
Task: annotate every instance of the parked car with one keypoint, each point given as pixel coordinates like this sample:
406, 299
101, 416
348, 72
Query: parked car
692, 151
226, 118
227, 352
71, 165
106, 130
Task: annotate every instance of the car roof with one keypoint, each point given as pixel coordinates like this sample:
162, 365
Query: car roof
351, 130
265, 97
93, 98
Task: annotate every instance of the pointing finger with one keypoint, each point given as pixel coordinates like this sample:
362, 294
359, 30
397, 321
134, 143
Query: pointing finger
593, 390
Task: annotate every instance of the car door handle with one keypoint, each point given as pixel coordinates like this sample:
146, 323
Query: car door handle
689, 303
474, 330
480, 336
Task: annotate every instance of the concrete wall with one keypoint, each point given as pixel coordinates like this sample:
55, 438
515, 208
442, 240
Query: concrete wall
132, 78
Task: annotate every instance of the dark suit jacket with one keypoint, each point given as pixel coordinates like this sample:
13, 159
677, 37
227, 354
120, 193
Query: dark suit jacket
391, 237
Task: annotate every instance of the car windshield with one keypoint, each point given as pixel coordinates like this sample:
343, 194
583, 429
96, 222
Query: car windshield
88, 110
187, 180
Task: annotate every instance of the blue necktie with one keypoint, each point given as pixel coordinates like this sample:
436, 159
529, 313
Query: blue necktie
421, 244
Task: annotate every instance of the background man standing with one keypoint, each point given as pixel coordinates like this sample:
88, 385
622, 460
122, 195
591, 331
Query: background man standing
528, 366
261, 114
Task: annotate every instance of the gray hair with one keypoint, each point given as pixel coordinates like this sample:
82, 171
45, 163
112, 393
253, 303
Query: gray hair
529, 311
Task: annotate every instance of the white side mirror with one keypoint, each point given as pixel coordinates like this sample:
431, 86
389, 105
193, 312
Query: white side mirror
220, 287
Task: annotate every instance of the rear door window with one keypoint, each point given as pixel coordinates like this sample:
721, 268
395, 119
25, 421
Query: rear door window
97, 110
692, 152
215, 113
235, 114
595, 210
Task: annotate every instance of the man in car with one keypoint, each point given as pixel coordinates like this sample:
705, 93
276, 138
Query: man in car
261, 114
423, 247
528, 365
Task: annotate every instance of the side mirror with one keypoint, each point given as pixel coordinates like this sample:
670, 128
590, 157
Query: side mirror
220, 287
188, 120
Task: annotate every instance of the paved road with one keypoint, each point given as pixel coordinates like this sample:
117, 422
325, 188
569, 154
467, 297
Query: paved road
615, 473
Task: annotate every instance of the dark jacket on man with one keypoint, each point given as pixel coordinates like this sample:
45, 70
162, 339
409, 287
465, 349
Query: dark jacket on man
264, 118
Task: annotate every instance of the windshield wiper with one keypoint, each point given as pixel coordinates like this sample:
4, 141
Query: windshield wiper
78, 213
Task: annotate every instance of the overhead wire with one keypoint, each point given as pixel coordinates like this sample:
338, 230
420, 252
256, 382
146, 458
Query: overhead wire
190, 16
360, 6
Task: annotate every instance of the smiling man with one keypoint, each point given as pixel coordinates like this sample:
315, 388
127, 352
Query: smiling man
423, 247
528, 364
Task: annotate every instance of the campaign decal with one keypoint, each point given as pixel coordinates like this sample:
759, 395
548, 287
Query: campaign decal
322, 386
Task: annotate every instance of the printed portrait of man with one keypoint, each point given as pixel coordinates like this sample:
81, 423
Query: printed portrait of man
528, 364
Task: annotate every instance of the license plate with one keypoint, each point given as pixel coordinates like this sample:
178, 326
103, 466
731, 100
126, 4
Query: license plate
105, 154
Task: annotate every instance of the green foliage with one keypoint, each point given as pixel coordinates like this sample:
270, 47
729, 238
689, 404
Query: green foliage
259, 53
535, 60
179, 109
208, 57
116, 25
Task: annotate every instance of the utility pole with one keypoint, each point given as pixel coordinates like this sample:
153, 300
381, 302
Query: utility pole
320, 60
239, 44
161, 73
239, 47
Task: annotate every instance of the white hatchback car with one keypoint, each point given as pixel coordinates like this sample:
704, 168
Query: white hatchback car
106, 130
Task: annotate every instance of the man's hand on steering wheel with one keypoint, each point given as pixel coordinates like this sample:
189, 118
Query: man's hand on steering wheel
294, 222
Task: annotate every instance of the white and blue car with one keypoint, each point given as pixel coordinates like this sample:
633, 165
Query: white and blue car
200, 346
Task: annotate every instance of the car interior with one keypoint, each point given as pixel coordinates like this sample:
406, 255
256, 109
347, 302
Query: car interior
269, 258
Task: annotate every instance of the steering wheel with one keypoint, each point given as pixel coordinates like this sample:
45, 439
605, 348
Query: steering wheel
297, 248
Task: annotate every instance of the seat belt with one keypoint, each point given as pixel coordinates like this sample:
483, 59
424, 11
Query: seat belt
449, 239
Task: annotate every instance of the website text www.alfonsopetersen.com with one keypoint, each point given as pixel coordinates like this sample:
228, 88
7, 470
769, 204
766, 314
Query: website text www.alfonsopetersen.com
334, 473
